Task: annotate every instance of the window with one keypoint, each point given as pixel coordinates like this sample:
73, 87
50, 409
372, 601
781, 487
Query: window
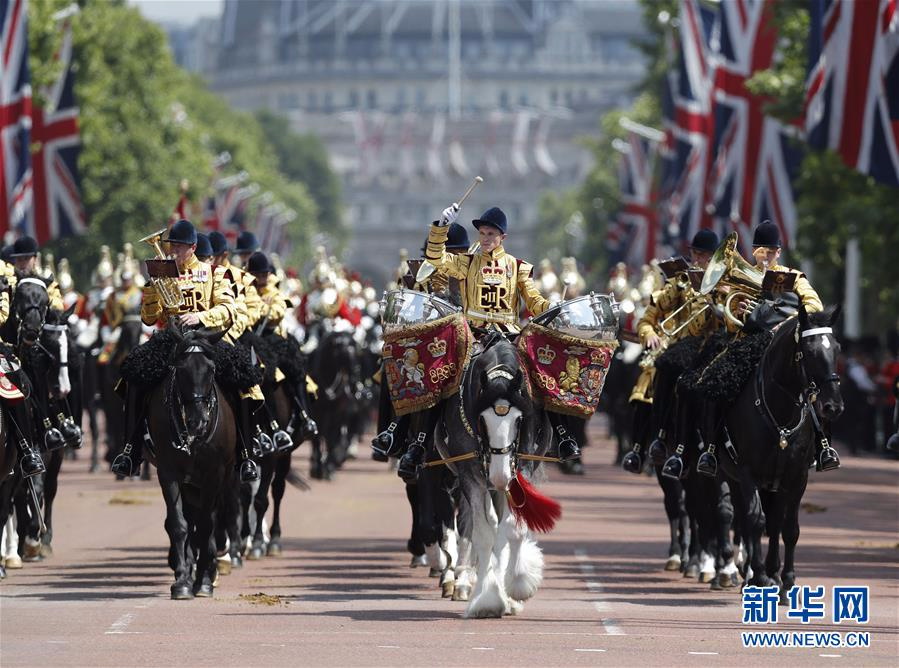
504, 99
371, 99
354, 99
328, 104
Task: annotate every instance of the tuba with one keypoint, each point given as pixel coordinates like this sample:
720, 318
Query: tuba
730, 274
166, 286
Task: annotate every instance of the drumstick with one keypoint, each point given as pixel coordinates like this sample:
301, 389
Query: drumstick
477, 180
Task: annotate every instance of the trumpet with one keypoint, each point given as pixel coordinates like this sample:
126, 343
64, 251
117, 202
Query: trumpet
669, 325
166, 286
729, 273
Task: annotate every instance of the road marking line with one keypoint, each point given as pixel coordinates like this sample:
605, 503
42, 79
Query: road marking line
388, 646
831, 656
589, 650
483, 648
119, 625
703, 653
594, 587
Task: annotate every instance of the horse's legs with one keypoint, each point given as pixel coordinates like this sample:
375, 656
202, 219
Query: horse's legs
27, 518
488, 599
203, 525
753, 527
773, 505
316, 465
260, 505
724, 511
415, 545
673, 495
463, 571
177, 529
279, 483
51, 486
791, 533
524, 573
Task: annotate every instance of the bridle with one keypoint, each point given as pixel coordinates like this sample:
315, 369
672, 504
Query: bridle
808, 395
176, 402
28, 280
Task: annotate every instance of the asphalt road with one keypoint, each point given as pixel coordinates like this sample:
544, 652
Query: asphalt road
343, 593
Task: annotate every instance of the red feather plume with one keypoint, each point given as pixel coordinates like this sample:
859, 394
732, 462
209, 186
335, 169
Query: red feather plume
538, 511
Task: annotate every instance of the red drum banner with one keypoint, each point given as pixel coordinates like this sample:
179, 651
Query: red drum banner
424, 362
567, 372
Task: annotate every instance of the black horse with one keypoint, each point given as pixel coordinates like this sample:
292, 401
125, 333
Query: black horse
335, 368
193, 430
54, 365
774, 426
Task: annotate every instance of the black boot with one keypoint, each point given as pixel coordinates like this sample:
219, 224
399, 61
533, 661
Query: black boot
828, 459
674, 465
31, 462
633, 461
893, 443
657, 449
127, 462
308, 426
568, 447
708, 462
383, 444
411, 461
249, 472
53, 438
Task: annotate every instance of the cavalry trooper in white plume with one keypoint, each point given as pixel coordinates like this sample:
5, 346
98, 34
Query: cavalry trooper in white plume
493, 284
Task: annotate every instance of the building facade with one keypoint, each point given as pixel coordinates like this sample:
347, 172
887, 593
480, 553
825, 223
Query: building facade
413, 98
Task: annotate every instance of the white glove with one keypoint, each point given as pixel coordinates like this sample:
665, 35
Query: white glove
449, 215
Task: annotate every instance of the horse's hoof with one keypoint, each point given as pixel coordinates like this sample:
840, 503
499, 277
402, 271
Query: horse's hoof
449, 590
256, 553
462, 593
418, 560
203, 590
215, 580
2, 573
714, 585
434, 572
223, 566
673, 563
31, 553
691, 571
237, 562
46, 551
706, 577
727, 580
273, 550
181, 592
13, 562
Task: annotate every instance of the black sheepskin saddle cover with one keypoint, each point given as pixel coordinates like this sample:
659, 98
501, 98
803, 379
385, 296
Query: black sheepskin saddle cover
278, 351
679, 356
710, 349
727, 374
149, 363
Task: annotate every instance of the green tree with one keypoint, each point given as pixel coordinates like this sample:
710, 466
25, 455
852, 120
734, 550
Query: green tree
145, 125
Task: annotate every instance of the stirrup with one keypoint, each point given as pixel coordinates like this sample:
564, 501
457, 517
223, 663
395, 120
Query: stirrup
673, 468
249, 472
280, 438
658, 449
383, 443
122, 464
633, 461
568, 447
708, 463
828, 459
262, 442
71, 432
409, 463
31, 463
53, 438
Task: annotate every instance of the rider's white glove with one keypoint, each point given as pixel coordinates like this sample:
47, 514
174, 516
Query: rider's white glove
449, 215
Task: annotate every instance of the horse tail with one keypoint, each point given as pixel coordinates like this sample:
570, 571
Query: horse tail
537, 511
297, 480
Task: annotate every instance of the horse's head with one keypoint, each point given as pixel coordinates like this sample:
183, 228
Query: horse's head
819, 349
30, 303
504, 411
192, 397
55, 346
339, 350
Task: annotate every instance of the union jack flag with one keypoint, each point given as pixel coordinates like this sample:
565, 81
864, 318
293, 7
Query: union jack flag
57, 210
633, 238
15, 116
852, 90
754, 159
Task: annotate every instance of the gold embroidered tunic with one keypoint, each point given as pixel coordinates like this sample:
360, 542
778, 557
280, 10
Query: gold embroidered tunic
492, 283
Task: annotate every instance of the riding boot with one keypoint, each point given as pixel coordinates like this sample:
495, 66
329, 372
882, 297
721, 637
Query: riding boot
674, 465
308, 427
127, 462
281, 440
826, 458
383, 442
707, 464
249, 472
568, 447
633, 461
30, 461
412, 460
